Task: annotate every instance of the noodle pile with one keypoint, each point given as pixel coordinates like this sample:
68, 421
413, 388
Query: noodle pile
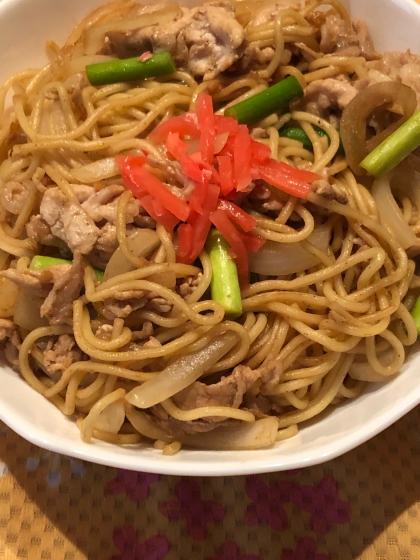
315, 337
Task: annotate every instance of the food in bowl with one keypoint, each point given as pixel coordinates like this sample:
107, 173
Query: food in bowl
209, 221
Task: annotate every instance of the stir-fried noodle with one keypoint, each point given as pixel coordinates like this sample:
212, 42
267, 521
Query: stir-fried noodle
145, 353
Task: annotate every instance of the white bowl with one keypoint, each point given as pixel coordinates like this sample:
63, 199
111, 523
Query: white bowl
24, 27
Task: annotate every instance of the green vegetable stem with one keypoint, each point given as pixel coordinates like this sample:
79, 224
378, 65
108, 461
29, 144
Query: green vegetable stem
395, 148
273, 99
297, 133
224, 283
415, 313
130, 69
40, 262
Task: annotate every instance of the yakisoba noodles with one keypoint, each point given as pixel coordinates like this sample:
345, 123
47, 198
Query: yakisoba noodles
124, 334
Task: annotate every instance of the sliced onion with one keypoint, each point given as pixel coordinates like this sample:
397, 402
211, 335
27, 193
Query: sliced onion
58, 120
377, 77
390, 215
145, 426
280, 259
182, 372
44, 125
96, 171
141, 244
356, 114
112, 418
406, 179
363, 371
9, 293
256, 435
193, 145
94, 36
166, 278
245, 10
27, 313
79, 64
220, 141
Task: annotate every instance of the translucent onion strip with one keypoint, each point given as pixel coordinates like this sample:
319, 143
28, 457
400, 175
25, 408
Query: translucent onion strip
274, 259
182, 372
391, 216
256, 435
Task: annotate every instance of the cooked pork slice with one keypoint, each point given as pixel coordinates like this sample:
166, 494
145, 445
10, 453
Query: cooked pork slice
125, 302
126, 44
58, 306
229, 391
143, 220
330, 191
105, 246
145, 332
68, 221
189, 285
104, 332
259, 403
159, 304
60, 354
263, 199
173, 175
214, 40
6, 328
59, 284
38, 230
206, 40
151, 342
129, 294
83, 192
37, 282
270, 12
13, 195
410, 76
10, 341
102, 205
338, 37
121, 309
107, 241
322, 95
364, 39
87, 227
397, 67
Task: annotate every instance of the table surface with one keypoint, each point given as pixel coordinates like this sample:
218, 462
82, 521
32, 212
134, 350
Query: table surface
363, 505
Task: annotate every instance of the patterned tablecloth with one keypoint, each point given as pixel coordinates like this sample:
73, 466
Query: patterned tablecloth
364, 505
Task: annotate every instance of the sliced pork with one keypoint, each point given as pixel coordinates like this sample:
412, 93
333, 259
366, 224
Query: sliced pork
10, 341
60, 354
68, 221
323, 95
330, 191
13, 195
206, 40
102, 205
58, 306
60, 285
229, 391
397, 67
337, 36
